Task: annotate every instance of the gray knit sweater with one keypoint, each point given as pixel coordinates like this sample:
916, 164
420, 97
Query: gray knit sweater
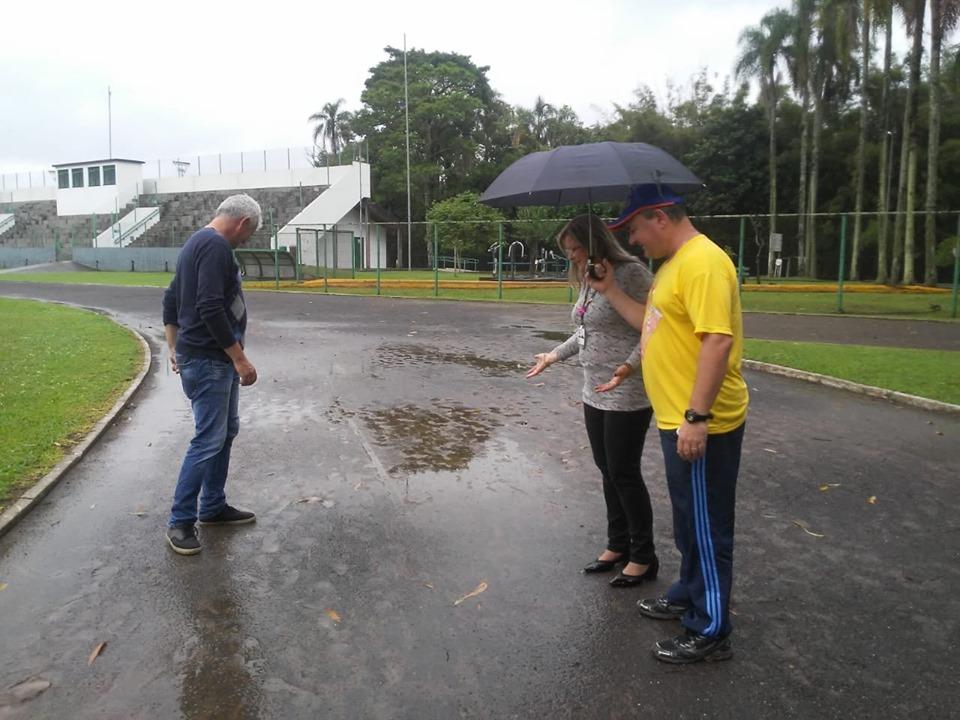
610, 342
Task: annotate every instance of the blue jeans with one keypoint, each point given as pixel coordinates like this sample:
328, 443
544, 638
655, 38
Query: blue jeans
213, 387
703, 495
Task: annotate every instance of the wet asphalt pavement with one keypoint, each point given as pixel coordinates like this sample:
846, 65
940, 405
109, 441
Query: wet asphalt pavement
396, 459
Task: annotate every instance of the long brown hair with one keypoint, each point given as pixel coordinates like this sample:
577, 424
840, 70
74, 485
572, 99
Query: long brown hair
605, 245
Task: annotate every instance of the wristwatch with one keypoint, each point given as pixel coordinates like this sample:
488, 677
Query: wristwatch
692, 416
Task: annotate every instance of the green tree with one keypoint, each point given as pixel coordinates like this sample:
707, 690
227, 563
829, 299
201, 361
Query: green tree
463, 224
832, 69
944, 15
866, 12
459, 128
914, 11
761, 49
884, 16
799, 57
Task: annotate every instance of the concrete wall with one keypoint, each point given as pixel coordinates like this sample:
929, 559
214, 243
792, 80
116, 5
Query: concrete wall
143, 259
11, 257
28, 194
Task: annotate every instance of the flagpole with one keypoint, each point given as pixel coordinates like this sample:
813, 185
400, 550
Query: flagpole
109, 123
406, 112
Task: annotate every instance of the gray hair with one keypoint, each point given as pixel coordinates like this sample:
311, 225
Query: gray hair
241, 206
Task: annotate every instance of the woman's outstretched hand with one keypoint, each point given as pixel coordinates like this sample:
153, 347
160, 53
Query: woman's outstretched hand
619, 375
544, 360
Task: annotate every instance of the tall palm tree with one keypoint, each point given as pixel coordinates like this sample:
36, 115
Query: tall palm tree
832, 68
914, 11
542, 110
761, 49
798, 56
944, 15
884, 16
329, 126
865, 53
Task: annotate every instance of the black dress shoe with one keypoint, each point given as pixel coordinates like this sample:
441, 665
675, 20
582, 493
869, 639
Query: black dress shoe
692, 647
602, 566
625, 581
661, 608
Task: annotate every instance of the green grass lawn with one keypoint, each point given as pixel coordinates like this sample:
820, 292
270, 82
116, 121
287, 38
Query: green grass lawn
920, 306
61, 369
903, 305
929, 373
159, 279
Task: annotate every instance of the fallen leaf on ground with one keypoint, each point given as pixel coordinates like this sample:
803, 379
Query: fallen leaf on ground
829, 486
96, 652
803, 527
23, 691
872, 499
333, 615
428, 585
482, 587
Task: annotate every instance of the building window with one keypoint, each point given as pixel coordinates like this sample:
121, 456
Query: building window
109, 174
78, 177
63, 179
93, 177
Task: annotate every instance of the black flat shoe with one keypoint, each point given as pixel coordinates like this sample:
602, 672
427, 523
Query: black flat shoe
602, 566
626, 581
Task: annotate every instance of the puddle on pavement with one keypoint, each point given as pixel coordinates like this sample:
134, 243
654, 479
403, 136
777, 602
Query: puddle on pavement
401, 355
446, 436
554, 335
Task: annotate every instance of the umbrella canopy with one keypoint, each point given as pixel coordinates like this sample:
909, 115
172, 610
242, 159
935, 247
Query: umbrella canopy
595, 172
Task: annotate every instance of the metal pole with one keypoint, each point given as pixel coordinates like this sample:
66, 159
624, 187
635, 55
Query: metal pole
743, 234
956, 271
406, 113
378, 263
843, 253
436, 262
299, 275
276, 255
109, 123
316, 249
325, 258
500, 261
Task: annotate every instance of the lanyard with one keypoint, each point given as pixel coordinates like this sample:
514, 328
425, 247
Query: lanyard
581, 310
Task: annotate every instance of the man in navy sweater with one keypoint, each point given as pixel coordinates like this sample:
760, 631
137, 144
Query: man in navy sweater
204, 319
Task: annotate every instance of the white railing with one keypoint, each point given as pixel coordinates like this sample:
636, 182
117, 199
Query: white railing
233, 163
128, 228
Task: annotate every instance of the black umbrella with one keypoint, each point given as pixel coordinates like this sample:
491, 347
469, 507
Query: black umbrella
575, 174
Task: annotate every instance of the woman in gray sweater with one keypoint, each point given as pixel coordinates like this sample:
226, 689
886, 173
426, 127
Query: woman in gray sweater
617, 419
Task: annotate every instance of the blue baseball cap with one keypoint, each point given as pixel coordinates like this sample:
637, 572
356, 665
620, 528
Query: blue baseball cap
646, 197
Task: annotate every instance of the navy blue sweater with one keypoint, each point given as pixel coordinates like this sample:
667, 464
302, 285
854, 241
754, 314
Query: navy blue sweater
205, 297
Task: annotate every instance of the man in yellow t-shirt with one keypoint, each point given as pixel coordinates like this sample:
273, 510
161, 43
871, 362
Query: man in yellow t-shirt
691, 346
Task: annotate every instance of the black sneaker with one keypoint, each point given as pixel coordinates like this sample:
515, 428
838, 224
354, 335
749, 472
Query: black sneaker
229, 516
183, 539
691, 647
661, 608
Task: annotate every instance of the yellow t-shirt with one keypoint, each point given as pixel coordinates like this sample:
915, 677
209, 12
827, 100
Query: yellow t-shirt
694, 292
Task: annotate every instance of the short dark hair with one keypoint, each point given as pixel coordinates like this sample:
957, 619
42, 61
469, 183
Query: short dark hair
674, 213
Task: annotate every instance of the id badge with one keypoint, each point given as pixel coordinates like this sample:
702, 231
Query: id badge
581, 336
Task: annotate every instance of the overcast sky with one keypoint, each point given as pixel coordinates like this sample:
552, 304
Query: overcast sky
199, 77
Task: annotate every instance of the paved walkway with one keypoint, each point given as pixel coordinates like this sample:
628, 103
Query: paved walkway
397, 458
